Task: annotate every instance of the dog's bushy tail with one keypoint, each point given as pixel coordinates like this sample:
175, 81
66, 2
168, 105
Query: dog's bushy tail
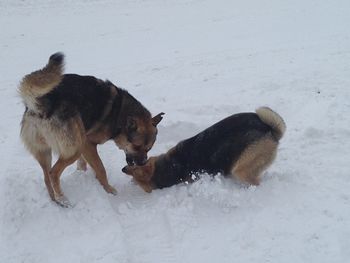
42, 81
274, 120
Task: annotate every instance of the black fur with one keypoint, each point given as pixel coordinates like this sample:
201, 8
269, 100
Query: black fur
87, 96
57, 58
214, 150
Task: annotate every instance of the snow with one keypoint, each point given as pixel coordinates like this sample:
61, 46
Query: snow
198, 61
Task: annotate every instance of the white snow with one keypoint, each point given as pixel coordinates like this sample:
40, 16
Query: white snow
199, 61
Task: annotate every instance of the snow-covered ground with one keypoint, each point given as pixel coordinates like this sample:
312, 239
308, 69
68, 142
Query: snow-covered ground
199, 61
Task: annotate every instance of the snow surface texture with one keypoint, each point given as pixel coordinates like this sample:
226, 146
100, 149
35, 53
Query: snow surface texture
199, 61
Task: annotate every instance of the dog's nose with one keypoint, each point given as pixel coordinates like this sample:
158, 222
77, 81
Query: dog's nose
124, 169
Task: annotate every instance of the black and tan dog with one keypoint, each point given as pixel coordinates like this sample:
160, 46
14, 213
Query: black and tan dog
71, 114
242, 145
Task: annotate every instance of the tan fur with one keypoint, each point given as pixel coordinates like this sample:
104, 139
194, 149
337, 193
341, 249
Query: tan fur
44, 158
90, 154
65, 139
100, 136
40, 82
41, 136
143, 127
152, 164
272, 119
55, 174
122, 142
68, 138
69, 141
254, 160
143, 174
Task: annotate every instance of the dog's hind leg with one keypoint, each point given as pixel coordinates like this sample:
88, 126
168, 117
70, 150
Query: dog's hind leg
55, 174
254, 160
90, 154
44, 158
38, 147
67, 142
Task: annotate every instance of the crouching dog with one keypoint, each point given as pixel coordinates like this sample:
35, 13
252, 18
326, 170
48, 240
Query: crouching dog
242, 145
71, 114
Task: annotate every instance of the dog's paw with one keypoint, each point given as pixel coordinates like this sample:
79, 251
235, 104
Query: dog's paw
111, 190
63, 201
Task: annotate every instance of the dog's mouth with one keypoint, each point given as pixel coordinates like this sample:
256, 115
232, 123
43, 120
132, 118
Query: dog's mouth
136, 160
130, 162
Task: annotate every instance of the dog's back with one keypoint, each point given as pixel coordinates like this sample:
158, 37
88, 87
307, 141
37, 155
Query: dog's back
85, 95
217, 147
242, 143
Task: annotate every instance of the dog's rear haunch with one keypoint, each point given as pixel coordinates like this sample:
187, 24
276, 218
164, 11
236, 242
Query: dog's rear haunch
71, 114
242, 145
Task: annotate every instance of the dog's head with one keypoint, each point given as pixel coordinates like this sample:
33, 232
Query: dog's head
138, 138
142, 174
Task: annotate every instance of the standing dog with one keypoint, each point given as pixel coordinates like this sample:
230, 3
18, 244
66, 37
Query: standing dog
242, 145
71, 114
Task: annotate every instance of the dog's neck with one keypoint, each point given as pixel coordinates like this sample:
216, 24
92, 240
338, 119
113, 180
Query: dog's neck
117, 114
124, 106
169, 171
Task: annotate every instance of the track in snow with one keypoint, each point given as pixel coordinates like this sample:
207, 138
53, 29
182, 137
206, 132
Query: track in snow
147, 231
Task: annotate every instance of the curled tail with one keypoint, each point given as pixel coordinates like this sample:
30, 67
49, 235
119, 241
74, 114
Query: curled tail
42, 81
274, 120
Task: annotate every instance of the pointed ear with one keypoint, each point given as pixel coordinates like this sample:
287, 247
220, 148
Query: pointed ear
148, 171
144, 174
156, 119
131, 124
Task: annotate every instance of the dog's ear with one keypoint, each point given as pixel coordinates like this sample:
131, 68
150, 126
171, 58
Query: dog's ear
131, 124
142, 173
147, 172
156, 119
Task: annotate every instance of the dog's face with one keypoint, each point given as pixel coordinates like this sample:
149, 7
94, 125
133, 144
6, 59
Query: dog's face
138, 138
142, 174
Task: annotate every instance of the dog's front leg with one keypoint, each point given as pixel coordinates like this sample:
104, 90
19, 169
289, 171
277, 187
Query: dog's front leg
90, 154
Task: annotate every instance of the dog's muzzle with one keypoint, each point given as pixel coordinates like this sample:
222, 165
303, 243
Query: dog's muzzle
136, 159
